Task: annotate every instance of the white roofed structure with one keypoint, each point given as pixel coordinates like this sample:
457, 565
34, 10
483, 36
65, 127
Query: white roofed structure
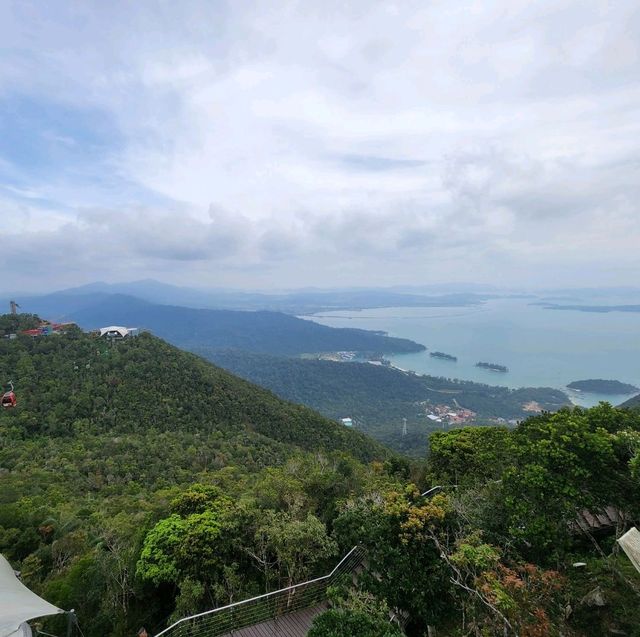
18, 604
118, 331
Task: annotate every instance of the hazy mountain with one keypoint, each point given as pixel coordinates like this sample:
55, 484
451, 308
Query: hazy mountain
304, 301
266, 332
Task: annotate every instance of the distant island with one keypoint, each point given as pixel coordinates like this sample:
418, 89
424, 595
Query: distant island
601, 309
600, 386
494, 367
446, 357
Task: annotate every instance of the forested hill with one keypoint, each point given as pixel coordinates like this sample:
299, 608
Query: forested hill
68, 385
632, 403
140, 484
97, 463
267, 332
379, 397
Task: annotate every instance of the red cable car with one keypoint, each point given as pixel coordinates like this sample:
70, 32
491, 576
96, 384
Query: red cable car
9, 399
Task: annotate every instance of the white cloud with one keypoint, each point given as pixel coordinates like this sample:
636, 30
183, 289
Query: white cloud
407, 142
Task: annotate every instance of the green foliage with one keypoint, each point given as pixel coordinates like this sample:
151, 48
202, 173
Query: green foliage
497, 552
199, 498
355, 611
563, 463
546, 470
619, 584
14, 323
469, 455
297, 545
351, 623
189, 600
163, 546
398, 530
600, 386
68, 386
380, 397
473, 555
631, 441
132, 474
632, 403
139, 484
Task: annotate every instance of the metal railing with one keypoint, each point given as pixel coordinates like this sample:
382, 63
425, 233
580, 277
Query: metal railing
267, 607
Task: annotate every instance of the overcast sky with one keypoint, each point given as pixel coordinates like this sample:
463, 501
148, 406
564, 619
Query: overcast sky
282, 144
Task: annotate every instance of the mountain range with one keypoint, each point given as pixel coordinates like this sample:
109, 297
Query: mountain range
207, 329
305, 301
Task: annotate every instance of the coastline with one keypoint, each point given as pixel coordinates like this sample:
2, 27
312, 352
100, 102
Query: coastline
541, 348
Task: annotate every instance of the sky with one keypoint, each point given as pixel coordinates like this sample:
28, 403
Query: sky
319, 143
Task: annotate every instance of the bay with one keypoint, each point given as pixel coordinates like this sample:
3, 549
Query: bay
541, 348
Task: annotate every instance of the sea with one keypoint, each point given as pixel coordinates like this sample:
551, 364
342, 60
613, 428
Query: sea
541, 347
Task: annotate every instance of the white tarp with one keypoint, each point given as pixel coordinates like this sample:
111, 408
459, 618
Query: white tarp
630, 543
18, 603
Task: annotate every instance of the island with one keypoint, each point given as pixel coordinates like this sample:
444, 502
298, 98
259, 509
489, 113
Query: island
589, 308
494, 367
600, 386
446, 357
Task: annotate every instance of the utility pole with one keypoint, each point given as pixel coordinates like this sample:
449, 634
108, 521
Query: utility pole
404, 426
71, 620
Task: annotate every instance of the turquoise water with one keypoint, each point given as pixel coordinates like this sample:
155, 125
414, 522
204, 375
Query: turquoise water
540, 347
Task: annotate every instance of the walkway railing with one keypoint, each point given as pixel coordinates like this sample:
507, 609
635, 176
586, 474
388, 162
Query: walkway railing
226, 619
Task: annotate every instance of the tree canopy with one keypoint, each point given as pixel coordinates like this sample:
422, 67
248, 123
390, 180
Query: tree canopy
140, 484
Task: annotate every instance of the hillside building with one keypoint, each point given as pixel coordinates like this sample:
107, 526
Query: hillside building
47, 329
118, 332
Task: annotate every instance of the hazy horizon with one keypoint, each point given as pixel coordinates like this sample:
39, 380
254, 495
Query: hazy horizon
290, 145
430, 290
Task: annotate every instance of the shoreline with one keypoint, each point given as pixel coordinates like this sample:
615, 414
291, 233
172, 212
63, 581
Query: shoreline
553, 367
571, 394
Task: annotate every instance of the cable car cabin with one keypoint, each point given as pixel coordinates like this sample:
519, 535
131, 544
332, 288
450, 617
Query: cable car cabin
9, 400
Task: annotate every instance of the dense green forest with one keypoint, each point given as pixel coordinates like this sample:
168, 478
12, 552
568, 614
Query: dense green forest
379, 397
82, 383
498, 550
139, 484
107, 437
632, 403
259, 331
601, 386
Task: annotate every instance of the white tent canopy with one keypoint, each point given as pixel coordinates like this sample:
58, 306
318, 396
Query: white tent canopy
118, 331
17, 603
630, 543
